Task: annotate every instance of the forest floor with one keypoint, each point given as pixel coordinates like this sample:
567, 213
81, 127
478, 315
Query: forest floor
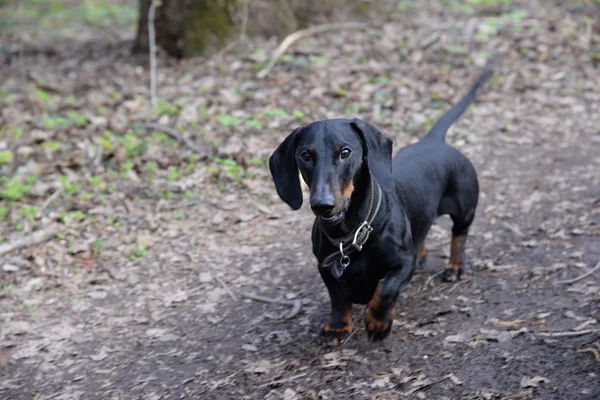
141, 292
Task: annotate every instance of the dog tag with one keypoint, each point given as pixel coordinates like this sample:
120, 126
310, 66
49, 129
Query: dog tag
339, 266
337, 269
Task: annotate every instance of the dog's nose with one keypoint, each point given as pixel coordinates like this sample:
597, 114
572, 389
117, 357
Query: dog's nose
322, 206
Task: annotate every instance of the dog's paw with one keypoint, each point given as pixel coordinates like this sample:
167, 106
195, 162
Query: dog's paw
335, 336
454, 273
379, 323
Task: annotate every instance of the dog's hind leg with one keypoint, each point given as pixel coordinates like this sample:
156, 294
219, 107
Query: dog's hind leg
458, 267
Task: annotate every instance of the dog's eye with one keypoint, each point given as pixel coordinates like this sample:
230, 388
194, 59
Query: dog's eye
345, 153
305, 157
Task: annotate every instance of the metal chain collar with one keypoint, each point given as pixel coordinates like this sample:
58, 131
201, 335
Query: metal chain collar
356, 239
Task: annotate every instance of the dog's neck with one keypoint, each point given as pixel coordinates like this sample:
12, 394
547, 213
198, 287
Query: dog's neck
362, 203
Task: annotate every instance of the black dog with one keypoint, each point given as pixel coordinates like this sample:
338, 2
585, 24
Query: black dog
373, 213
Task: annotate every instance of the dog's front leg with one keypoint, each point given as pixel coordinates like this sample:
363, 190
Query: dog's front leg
382, 307
340, 325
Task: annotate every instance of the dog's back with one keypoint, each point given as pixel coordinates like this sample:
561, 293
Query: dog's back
433, 178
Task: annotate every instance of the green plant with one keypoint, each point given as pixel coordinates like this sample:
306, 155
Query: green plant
254, 123
14, 190
231, 167
139, 250
18, 132
28, 212
166, 108
107, 141
97, 245
3, 213
97, 182
277, 112
69, 187
77, 118
43, 96
228, 120
6, 157
174, 174
52, 145
78, 215
132, 145
151, 167
126, 166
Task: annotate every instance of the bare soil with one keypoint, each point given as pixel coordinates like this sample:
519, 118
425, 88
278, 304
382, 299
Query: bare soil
144, 297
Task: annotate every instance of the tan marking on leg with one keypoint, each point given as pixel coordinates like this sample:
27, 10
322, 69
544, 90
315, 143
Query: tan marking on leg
455, 256
422, 253
338, 335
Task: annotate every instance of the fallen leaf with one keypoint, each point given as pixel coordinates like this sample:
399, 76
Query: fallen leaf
527, 382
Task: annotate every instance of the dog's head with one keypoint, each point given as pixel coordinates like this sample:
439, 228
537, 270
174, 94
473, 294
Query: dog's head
331, 156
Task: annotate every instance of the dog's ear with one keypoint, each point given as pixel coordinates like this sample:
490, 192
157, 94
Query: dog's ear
284, 170
377, 151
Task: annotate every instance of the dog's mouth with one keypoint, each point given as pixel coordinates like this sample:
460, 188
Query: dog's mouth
332, 219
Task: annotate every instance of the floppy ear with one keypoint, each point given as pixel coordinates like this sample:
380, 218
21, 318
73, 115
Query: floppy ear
284, 170
377, 152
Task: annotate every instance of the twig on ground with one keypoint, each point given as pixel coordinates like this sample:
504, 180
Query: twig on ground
296, 304
348, 338
580, 277
47, 202
294, 37
227, 288
175, 135
455, 286
152, 46
428, 281
595, 352
568, 333
35, 238
280, 381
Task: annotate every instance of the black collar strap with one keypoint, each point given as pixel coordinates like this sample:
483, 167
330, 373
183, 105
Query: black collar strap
355, 241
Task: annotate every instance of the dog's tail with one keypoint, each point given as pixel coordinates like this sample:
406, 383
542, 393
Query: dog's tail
439, 129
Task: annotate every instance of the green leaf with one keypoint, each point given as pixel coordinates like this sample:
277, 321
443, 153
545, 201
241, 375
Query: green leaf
254, 123
43, 96
6, 157
228, 120
277, 112
456, 49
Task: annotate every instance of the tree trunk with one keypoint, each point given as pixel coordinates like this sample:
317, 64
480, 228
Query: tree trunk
187, 28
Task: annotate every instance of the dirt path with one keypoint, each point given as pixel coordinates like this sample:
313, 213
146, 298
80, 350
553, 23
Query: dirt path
164, 323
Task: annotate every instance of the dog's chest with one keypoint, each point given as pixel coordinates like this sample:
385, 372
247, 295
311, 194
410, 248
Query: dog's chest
362, 276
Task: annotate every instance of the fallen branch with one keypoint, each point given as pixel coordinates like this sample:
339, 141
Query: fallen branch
294, 37
296, 304
568, 333
580, 277
47, 202
202, 152
227, 288
36, 237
